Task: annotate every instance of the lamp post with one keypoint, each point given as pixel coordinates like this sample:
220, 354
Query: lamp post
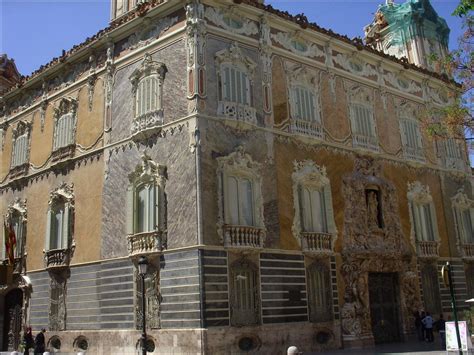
142, 269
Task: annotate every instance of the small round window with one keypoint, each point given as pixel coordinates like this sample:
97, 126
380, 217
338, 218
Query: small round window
55, 343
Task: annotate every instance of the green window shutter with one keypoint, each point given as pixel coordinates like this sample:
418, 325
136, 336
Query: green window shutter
64, 242
434, 221
130, 204
331, 224
48, 231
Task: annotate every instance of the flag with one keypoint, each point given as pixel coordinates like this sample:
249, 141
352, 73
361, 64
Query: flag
10, 242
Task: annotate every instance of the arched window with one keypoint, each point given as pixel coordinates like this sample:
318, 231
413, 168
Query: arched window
146, 207
319, 292
234, 74
313, 223
244, 308
240, 201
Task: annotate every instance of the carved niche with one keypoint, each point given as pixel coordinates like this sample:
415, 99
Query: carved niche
371, 220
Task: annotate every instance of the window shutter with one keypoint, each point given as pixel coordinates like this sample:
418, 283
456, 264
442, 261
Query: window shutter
458, 223
47, 238
3, 254
404, 133
306, 211
65, 235
419, 138
416, 221
470, 238
331, 224
158, 222
130, 204
434, 221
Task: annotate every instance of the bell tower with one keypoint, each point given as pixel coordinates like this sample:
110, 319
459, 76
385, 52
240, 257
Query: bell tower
411, 29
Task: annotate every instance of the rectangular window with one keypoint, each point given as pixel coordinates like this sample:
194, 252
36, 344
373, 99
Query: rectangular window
18, 227
20, 151
305, 104
423, 219
235, 85
64, 131
313, 209
363, 121
319, 297
244, 307
146, 202
453, 149
240, 204
467, 225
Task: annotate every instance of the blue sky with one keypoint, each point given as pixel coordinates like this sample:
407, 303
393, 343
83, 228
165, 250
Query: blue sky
34, 31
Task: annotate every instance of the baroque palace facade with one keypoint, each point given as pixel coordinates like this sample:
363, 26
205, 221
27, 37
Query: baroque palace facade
276, 175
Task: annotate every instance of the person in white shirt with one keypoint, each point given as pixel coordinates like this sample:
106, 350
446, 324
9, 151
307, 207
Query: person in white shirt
428, 323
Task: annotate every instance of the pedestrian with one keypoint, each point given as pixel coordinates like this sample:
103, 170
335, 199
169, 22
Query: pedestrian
423, 328
428, 322
418, 325
39, 342
28, 341
441, 327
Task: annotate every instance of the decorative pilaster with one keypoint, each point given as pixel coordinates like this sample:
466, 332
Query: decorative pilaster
109, 84
195, 44
44, 104
266, 57
91, 80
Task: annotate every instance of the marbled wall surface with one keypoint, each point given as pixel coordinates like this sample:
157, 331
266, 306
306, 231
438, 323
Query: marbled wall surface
171, 151
174, 89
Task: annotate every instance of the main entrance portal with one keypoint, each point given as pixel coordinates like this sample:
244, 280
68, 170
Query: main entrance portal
12, 320
384, 307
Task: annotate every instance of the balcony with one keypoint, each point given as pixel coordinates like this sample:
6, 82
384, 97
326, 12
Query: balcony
58, 258
147, 124
307, 128
19, 170
145, 243
18, 265
238, 112
414, 154
467, 251
243, 237
316, 243
62, 153
455, 164
427, 249
366, 142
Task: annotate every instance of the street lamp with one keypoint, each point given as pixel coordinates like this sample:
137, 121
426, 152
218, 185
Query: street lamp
142, 269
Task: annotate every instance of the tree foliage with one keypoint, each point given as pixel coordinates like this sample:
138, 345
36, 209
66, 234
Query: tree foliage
456, 119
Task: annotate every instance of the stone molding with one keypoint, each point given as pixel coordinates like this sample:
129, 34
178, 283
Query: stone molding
401, 83
353, 64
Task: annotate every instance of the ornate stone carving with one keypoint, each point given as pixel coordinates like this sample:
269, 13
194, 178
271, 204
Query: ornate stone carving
148, 32
401, 83
63, 191
240, 164
295, 43
17, 210
57, 303
353, 64
231, 20
66, 105
91, 80
152, 298
195, 44
234, 55
419, 193
265, 44
109, 76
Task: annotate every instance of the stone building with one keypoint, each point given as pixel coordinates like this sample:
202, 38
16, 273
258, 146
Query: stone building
276, 175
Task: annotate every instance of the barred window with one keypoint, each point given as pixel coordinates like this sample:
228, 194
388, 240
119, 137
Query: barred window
319, 293
453, 149
64, 131
244, 295
430, 284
